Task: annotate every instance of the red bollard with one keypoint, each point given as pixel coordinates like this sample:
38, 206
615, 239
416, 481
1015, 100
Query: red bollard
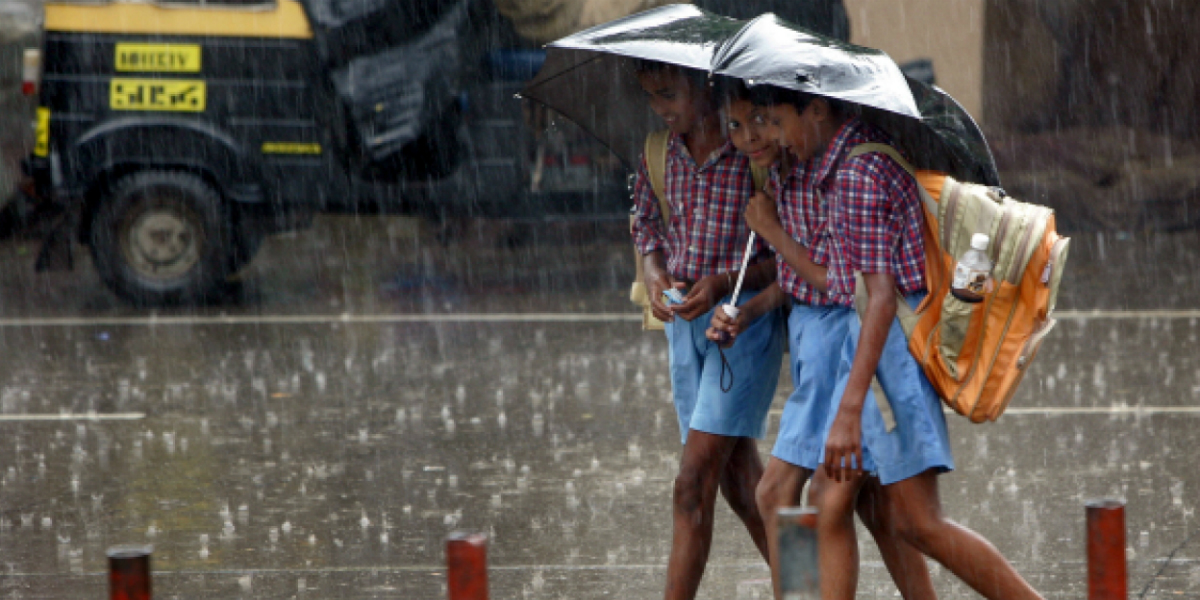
796, 547
466, 566
129, 572
1107, 578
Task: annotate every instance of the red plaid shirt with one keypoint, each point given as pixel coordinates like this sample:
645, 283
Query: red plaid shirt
874, 215
707, 234
803, 218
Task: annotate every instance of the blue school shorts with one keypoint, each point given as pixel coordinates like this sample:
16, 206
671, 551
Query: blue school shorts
696, 375
920, 440
814, 335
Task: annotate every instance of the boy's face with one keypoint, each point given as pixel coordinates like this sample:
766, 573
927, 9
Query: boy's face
748, 130
674, 99
798, 132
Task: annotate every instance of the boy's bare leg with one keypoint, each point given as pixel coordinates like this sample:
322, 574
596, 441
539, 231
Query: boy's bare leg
916, 512
780, 486
739, 480
837, 547
904, 562
695, 496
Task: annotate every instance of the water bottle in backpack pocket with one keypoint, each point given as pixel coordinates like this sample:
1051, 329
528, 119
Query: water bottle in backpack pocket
973, 273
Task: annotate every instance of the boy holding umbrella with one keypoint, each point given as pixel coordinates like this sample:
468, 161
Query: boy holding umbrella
795, 220
696, 252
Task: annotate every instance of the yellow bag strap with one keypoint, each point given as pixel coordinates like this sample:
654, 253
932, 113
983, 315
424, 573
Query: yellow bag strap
893, 154
655, 152
760, 176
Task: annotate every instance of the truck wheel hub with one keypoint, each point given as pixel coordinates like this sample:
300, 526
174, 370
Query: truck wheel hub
163, 243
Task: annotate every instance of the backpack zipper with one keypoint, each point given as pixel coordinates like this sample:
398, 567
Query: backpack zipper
1024, 232
1031, 345
1004, 332
1001, 232
1037, 222
1034, 341
1052, 274
948, 217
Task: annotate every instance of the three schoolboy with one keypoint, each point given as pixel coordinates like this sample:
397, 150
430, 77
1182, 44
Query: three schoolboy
832, 219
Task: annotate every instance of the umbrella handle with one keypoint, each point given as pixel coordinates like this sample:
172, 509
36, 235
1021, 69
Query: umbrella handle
741, 277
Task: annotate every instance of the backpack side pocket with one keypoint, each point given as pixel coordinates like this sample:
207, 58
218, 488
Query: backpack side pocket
958, 320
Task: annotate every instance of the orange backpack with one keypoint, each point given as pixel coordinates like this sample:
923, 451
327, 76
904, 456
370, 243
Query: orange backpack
975, 354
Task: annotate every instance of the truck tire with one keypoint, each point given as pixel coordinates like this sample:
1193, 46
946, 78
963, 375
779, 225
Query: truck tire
161, 238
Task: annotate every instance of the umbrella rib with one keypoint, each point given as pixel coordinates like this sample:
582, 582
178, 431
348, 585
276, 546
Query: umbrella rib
588, 131
576, 67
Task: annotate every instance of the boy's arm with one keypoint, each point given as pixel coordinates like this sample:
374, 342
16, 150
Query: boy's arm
845, 436
648, 229
762, 216
758, 275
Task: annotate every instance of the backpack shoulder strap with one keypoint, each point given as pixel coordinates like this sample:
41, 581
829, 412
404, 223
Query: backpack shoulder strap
656, 167
893, 154
881, 148
760, 175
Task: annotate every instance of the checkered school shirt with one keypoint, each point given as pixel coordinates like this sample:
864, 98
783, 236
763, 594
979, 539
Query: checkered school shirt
874, 215
803, 218
707, 234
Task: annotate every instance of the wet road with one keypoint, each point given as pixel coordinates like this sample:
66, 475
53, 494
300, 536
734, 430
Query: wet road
366, 389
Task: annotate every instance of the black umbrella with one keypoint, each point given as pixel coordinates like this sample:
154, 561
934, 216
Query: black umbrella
589, 76
925, 122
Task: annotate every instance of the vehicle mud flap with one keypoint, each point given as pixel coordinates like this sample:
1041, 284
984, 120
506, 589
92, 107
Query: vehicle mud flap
58, 246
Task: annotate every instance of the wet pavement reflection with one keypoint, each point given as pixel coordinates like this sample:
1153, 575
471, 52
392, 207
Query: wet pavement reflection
368, 389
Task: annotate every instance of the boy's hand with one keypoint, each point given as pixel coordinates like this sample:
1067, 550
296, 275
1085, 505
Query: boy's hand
701, 298
655, 287
762, 215
843, 448
724, 330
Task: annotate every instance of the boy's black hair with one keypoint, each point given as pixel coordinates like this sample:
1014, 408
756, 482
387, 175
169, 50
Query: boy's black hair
645, 65
730, 89
699, 79
770, 95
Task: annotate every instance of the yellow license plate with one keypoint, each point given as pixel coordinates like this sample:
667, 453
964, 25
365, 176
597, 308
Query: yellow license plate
291, 148
41, 140
158, 58
176, 95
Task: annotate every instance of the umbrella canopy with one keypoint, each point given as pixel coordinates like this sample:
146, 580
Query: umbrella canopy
925, 122
589, 76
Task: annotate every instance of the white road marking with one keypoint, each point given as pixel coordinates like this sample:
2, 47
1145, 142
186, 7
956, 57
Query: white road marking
156, 320
1104, 410
1085, 315
133, 416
